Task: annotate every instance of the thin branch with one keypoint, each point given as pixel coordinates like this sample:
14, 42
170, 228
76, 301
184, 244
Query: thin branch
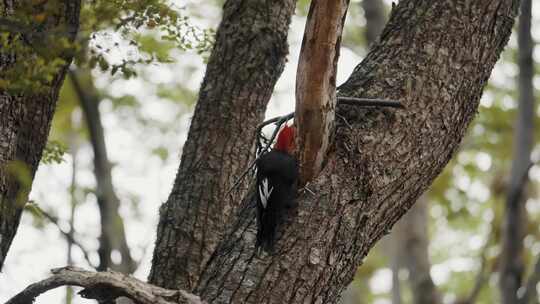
370, 102
106, 285
73, 203
68, 236
352, 101
481, 276
280, 120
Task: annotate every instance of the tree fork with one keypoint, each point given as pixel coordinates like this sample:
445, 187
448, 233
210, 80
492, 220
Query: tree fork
438, 65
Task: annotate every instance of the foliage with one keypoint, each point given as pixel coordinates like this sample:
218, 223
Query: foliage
20, 172
54, 152
146, 29
112, 25
36, 212
27, 36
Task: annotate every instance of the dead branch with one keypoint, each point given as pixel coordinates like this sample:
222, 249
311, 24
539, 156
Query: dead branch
316, 84
280, 120
370, 102
105, 286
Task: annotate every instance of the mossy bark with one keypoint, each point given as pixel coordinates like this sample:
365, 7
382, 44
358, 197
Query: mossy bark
25, 118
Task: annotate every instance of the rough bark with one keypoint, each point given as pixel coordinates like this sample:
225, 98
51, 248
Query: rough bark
316, 84
515, 217
113, 235
375, 21
436, 57
24, 124
248, 57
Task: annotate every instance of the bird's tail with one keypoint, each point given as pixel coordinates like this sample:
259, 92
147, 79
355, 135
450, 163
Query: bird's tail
267, 222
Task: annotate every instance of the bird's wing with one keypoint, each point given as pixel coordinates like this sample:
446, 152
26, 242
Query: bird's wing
264, 192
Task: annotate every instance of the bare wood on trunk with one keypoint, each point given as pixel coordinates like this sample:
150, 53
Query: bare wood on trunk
316, 84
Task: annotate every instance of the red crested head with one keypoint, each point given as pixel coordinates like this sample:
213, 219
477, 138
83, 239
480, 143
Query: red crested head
285, 140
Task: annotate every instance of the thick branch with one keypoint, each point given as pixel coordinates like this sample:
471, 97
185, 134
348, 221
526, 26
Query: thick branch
248, 57
316, 84
103, 286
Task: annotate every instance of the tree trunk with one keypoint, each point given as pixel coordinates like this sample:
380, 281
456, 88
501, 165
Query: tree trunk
25, 123
248, 57
375, 21
434, 56
113, 235
515, 217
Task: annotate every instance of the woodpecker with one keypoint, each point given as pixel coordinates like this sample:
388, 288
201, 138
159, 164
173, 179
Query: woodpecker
277, 173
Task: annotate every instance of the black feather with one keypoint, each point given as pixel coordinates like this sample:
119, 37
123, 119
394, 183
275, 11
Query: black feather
281, 171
